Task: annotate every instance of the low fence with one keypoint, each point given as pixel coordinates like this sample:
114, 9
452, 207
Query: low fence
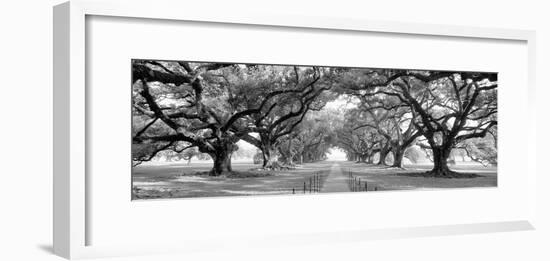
313, 184
355, 183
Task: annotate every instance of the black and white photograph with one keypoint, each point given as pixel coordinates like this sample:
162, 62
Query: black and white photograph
275, 130
209, 129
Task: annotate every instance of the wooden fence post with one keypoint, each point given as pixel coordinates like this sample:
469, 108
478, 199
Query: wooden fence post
315, 183
318, 183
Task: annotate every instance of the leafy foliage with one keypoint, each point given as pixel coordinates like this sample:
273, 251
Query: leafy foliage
182, 110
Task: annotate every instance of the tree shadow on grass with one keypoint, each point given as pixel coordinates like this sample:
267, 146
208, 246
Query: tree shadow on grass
429, 174
235, 174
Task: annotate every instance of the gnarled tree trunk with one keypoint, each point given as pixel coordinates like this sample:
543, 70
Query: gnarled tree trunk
270, 158
286, 157
222, 158
398, 154
382, 156
369, 159
440, 156
222, 163
361, 158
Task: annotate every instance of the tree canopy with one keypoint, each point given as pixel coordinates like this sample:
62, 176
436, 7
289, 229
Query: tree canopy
190, 108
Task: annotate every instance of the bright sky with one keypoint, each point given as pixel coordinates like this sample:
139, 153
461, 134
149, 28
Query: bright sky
336, 154
243, 145
342, 102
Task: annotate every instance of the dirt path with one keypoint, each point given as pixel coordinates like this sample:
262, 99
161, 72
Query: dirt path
335, 182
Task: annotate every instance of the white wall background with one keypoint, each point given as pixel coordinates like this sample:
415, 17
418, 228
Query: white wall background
26, 131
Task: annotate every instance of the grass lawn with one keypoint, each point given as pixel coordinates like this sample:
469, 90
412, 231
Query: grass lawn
179, 180
385, 178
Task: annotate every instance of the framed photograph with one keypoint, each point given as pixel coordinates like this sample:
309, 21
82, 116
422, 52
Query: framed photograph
178, 131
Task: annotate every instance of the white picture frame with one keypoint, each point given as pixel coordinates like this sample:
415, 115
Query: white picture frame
71, 199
